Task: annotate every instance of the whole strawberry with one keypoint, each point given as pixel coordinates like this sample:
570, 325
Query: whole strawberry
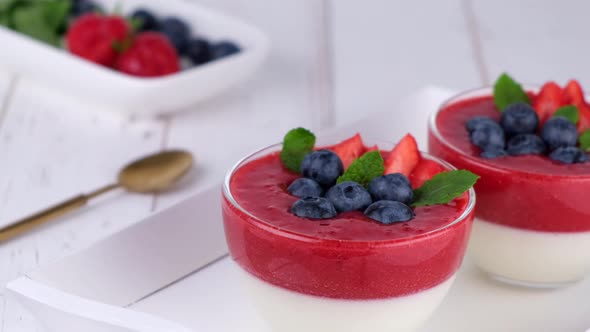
96, 37
151, 54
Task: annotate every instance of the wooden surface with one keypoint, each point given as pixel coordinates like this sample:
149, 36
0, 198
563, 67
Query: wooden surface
331, 62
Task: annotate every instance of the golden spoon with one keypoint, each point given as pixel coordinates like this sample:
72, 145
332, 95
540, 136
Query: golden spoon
150, 174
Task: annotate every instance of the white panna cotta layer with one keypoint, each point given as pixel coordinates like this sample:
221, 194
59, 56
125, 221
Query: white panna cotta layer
533, 258
288, 311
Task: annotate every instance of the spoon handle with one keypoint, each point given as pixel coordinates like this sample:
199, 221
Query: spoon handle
29, 223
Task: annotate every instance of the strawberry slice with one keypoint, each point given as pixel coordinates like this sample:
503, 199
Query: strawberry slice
574, 95
404, 157
349, 149
424, 171
549, 99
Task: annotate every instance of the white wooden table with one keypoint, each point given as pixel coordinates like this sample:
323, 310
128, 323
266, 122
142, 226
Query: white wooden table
332, 61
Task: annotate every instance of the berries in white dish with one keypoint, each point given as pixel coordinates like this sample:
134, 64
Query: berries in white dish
177, 31
145, 20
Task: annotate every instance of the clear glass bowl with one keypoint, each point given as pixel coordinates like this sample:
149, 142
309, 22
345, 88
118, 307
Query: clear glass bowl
532, 225
302, 282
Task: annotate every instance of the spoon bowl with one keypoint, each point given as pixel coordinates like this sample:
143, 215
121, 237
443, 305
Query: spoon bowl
155, 173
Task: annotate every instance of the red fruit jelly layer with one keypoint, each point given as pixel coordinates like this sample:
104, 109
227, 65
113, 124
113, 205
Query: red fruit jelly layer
349, 256
529, 192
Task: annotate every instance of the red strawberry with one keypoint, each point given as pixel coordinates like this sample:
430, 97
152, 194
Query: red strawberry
549, 99
574, 95
94, 37
151, 55
349, 149
424, 171
404, 157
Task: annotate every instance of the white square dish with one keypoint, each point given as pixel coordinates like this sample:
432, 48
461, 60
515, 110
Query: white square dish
142, 96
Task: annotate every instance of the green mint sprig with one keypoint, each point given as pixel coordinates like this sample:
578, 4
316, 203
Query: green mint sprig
297, 143
42, 20
569, 112
585, 140
444, 187
507, 91
364, 169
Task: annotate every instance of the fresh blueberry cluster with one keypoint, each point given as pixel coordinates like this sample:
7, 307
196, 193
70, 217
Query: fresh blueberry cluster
321, 197
198, 50
516, 134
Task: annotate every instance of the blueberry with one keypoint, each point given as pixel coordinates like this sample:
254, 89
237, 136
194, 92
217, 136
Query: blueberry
349, 196
146, 20
304, 187
177, 31
559, 132
313, 208
391, 187
493, 152
322, 166
80, 7
388, 212
525, 144
569, 155
198, 51
488, 136
519, 118
479, 122
223, 49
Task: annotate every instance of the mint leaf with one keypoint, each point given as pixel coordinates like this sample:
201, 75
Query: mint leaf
55, 13
585, 140
297, 143
364, 169
31, 21
42, 20
569, 112
444, 187
507, 91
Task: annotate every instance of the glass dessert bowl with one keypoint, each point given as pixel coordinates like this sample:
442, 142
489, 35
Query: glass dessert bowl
346, 273
532, 225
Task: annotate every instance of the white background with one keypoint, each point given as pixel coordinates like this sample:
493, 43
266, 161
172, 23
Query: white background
331, 63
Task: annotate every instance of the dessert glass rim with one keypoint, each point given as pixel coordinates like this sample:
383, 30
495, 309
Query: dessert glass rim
227, 194
484, 91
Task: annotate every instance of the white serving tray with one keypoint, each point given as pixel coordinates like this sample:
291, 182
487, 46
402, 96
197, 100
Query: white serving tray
171, 272
140, 96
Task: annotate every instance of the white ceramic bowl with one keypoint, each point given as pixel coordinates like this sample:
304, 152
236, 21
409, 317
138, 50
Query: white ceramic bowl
142, 96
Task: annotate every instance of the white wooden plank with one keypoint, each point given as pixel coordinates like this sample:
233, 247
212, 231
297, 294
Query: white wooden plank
53, 148
286, 93
384, 50
535, 40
